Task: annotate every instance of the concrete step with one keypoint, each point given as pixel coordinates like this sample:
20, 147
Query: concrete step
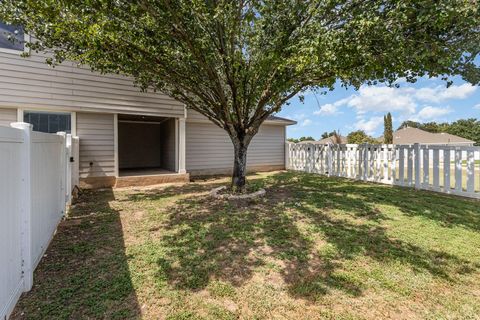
148, 180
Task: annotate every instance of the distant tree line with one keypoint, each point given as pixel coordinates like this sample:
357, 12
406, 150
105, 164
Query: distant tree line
465, 128
335, 135
294, 140
359, 136
328, 134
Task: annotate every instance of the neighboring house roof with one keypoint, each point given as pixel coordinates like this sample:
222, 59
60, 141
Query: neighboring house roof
415, 135
331, 139
280, 119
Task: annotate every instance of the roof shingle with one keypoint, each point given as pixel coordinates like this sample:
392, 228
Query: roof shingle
415, 135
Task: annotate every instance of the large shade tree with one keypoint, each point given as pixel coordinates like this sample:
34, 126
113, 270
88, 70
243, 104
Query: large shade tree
237, 62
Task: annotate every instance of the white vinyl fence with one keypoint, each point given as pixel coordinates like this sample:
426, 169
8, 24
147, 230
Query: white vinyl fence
35, 187
440, 168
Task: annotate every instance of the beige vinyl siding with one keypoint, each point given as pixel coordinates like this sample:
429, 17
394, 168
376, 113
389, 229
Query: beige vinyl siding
7, 116
32, 84
193, 115
168, 144
209, 148
96, 135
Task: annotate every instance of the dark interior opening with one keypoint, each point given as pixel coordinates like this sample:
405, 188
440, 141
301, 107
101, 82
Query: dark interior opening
146, 144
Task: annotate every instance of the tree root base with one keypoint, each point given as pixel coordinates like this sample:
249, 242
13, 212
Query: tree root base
216, 193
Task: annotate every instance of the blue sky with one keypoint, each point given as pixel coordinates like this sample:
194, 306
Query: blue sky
348, 109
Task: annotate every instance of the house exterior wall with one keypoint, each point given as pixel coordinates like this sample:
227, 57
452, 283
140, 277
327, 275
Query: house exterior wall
7, 116
168, 148
209, 150
31, 84
96, 133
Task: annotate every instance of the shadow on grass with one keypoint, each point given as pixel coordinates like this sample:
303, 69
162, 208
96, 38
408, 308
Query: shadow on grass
168, 192
307, 230
207, 239
203, 184
84, 274
448, 211
221, 241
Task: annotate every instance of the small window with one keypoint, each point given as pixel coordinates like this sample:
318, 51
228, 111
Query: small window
48, 122
12, 38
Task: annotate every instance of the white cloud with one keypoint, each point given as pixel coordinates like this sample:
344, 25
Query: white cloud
432, 113
369, 126
369, 102
441, 93
404, 100
306, 122
331, 108
382, 99
326, 109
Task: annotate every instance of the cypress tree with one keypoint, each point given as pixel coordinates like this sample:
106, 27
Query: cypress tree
388, 129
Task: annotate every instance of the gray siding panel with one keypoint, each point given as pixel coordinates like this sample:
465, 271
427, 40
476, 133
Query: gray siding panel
7, 116
30, 83
168, 144
194, 115
96, 135
209, 147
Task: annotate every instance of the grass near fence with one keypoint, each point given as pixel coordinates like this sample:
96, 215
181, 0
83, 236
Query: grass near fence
315, 247
379, 173
476, 183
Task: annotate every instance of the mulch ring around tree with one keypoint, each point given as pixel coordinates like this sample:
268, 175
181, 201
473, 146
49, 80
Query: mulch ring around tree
226, 193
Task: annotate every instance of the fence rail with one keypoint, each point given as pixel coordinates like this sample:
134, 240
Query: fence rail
440, 168
35, 187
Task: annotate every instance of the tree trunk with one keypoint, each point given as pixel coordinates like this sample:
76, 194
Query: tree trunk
239, 167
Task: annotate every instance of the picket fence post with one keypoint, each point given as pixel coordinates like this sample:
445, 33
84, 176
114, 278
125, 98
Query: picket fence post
287, 155
365, 162
458, 169
393, 164
68, 165
25, 200
312, 156
385, 163
416, 155
470, 171
446, 169
64, 164
338, 172
359, 162
329, 159
426, 167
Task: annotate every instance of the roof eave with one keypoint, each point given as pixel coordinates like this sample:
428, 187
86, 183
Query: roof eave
286, 122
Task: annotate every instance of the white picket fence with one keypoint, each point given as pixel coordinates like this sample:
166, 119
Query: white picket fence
35, 187
440, 168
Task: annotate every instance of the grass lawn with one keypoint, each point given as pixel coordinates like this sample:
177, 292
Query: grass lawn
315, 247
